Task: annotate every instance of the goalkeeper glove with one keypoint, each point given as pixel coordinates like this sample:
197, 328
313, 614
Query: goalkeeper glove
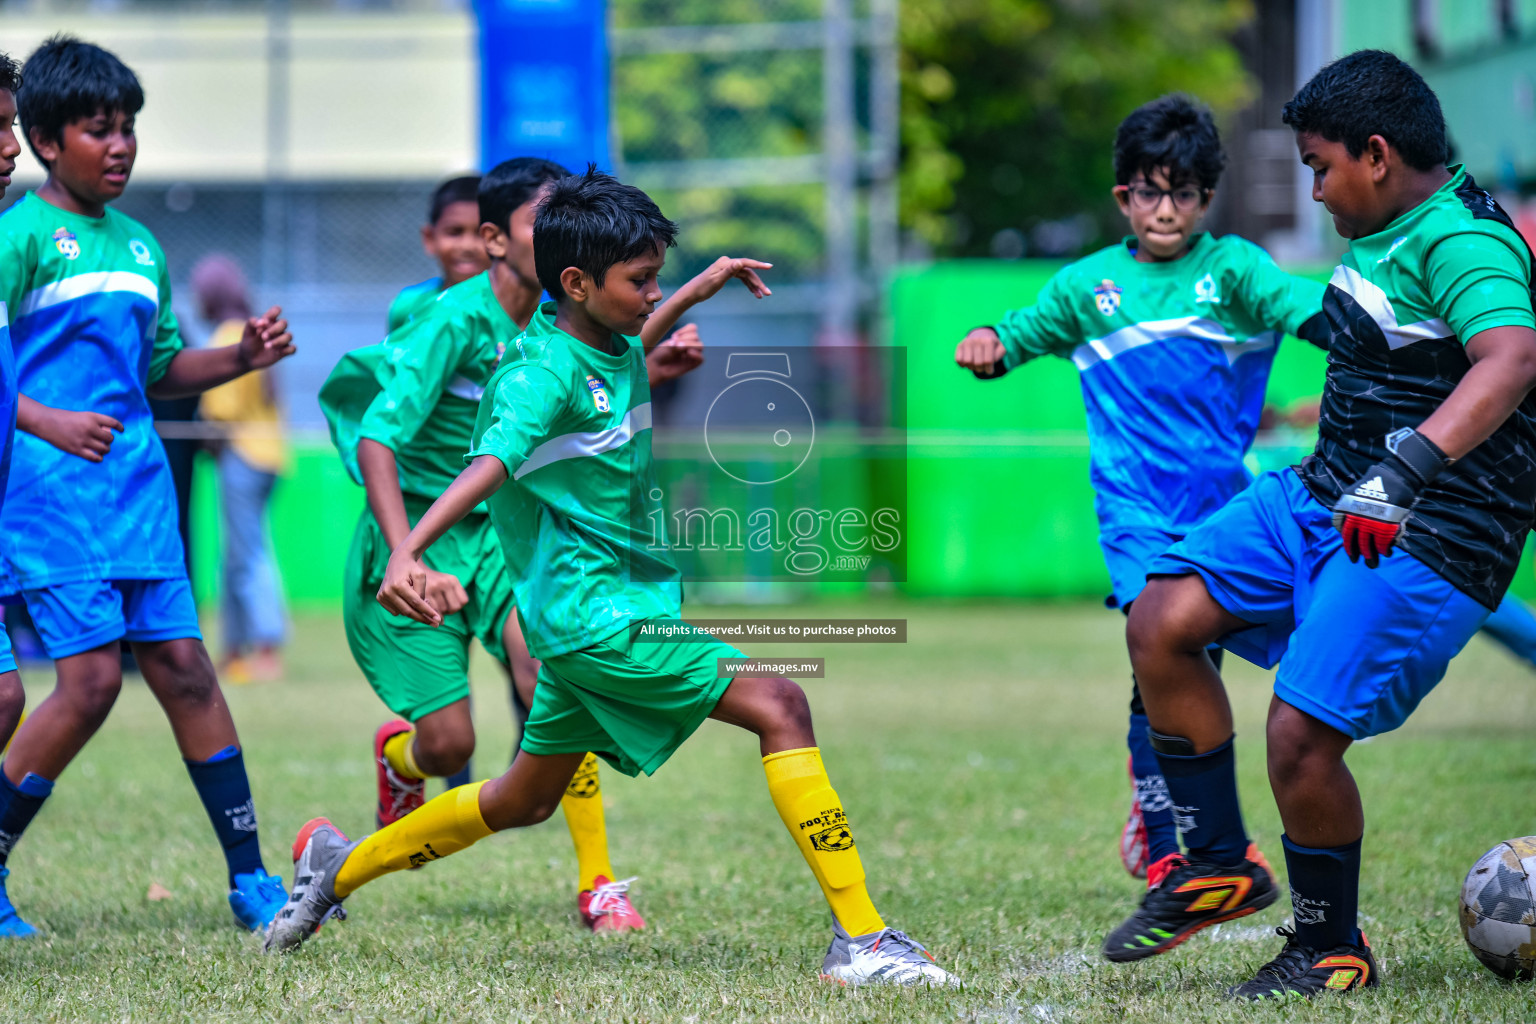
1371, 512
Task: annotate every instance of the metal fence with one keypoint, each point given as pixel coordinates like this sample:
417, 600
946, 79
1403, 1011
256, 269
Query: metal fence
773, 135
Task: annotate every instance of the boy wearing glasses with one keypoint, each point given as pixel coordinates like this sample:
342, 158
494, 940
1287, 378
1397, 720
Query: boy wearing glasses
1173, 333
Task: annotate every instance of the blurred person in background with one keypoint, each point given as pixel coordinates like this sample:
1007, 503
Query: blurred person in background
252, 455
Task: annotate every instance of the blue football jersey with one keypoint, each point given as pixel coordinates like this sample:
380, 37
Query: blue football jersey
89, 305
1174, 359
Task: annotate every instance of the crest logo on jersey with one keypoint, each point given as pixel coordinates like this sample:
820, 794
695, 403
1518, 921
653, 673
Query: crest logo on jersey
141, 253
1106, 296
501, 350
597, 386
1205, 290
64, 240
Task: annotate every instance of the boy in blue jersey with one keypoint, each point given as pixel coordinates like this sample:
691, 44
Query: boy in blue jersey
1426, 453
88, 535
1174, 333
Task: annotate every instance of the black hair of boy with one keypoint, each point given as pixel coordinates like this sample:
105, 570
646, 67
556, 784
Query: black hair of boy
512, 183
1173, 134
592, 221
463, 189
1372, 92
67, 79
10, 74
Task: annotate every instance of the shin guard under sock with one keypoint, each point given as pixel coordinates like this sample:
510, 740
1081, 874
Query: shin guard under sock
1205, 804
1325, 893
443, 825
583, 807
225, 790
812, 812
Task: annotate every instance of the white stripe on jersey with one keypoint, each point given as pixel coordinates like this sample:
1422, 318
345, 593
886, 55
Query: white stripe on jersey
575, 446
1375, 302
97, 282
463, 387
4, 316
1197, 328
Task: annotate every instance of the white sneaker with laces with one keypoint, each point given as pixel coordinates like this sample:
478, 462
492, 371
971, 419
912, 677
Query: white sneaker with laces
886, 957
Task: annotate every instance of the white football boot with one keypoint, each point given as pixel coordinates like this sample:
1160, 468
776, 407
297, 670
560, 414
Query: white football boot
886, 957
318, 853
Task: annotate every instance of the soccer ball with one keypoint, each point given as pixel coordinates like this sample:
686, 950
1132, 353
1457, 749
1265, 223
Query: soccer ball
1498, 909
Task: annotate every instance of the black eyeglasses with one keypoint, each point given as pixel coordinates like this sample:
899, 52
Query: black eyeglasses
1146, 197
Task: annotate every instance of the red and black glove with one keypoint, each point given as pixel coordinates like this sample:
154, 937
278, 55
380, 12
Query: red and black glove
1371, 512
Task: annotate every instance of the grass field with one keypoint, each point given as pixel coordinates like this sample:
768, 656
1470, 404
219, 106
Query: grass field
982, 764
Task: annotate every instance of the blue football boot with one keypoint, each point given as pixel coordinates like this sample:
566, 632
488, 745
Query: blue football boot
11, 924
256, 899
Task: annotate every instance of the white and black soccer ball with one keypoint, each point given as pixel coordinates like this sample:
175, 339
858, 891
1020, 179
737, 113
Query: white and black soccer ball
1498, 909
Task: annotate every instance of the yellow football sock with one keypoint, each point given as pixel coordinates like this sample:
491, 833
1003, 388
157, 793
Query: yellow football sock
400, 753
812, 812
583, 806
443, 825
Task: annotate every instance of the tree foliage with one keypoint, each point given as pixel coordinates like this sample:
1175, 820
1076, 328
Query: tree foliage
1009, 107
1008, 112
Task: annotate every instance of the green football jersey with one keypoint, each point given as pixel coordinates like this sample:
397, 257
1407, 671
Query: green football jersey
1400, 310
89, 305
417, 391
580, 518
412, 300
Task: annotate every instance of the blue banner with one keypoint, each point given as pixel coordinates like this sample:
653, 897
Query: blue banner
544, 81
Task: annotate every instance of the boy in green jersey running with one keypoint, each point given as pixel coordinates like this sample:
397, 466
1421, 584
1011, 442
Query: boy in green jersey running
562, 459
402, 414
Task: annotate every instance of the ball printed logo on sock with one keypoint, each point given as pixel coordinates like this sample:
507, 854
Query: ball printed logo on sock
584, 782
1184, 819
1308, 911
831, 834
1152, 794
243, 817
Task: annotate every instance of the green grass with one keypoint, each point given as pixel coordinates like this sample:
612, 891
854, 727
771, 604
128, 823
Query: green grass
982, 764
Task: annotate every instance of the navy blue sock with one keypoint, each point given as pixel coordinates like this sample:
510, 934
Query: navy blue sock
226, 796
18, 806
1325, 893
1205, 807
459, 778
1151, 793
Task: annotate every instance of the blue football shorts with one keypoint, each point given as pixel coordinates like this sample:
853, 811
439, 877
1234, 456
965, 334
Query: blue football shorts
72, 618
1358, 648
7, 658
1127, 553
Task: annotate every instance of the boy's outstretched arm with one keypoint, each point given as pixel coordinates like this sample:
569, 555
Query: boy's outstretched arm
703, 287
981, 352
403, 591
1048, 327
193, 371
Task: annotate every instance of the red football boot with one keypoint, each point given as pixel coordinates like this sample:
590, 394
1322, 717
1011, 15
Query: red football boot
398, 795
606, 907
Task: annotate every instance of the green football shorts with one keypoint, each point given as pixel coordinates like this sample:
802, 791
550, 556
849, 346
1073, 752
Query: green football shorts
632, 704
414, 668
